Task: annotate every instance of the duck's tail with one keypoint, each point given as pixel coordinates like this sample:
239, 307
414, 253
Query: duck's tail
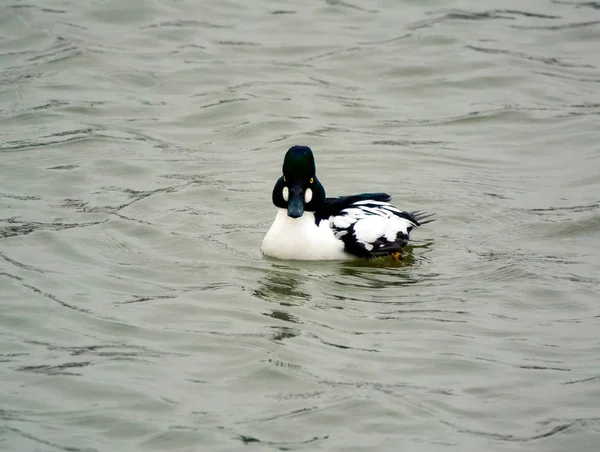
422, 217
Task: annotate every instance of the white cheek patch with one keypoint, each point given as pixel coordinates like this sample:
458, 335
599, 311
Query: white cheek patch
285, 193
307, 195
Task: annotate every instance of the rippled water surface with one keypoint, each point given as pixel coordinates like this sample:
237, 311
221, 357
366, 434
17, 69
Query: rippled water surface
139, 144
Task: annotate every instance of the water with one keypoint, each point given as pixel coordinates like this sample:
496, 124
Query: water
139, 143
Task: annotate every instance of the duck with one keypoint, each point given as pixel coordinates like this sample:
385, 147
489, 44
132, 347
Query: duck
310, 226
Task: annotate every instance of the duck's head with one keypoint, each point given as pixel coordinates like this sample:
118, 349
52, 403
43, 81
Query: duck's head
298, 190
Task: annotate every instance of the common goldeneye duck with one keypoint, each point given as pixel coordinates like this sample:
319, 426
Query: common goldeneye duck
309, 226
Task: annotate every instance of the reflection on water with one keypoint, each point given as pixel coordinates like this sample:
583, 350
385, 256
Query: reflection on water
282, 285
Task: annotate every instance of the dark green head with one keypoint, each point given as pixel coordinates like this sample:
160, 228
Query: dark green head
298, 189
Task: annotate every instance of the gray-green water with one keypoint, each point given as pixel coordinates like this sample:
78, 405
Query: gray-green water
139, 143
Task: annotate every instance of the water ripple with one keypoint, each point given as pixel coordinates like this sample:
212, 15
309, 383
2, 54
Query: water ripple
562, 427
549, 61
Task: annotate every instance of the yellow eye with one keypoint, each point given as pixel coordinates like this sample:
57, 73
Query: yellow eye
312, 179
284, 178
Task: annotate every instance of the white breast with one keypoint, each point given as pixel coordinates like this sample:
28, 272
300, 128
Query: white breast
301, 239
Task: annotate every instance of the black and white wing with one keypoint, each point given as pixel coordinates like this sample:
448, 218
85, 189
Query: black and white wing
371, 227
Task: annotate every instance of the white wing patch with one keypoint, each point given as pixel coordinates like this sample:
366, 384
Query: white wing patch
372, 225
342, 221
